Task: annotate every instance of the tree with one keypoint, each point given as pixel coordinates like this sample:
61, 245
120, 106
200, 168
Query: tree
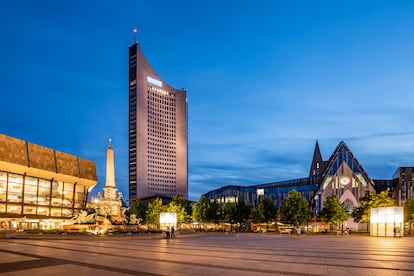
180, 206
368, 201
265, 212
230, 212
138, 209
153, 212
243, 211
333, 212
255, 215
295, 209
409, 212
201, 210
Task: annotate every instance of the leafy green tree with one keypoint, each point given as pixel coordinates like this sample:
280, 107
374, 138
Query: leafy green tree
243, 211
180, 206
265, 212
333, 212
230, 212
217, 212
255, 215
409, 213
368, 201
153, 212
201, 210
138, 209
295, 209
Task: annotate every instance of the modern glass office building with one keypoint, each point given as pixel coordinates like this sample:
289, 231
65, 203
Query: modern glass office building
341, 175
41, 188
157, 132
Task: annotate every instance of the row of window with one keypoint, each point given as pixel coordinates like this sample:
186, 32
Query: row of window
160, 92
161, 141
154, 123
165, 133
161, 135
156, 173
163, 165
28, 192
153, 155
154, 181
158, 145
162, 109
160, 150
160, 121
35, 210
159, 100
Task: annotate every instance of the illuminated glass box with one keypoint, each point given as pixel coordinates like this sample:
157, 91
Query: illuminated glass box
387, 222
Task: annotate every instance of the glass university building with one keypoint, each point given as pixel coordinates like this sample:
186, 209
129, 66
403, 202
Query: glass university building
341, 175
157, 132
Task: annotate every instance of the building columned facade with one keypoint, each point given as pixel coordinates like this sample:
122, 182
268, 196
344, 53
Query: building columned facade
341, 175
157, 132
41, 188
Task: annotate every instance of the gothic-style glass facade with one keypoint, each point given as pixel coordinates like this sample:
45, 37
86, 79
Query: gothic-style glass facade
341, 175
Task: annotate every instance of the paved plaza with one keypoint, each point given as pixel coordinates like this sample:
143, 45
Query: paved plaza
207, 254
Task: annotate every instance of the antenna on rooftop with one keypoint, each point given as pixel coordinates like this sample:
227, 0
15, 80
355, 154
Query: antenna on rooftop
135, 34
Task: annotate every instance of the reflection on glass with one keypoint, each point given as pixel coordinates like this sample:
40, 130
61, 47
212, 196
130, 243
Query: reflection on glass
30, 199
43, 211
3, 186
14, 209
56, 212
43, 200
31, 210
56, 201
3, 176
2, 196
66, 212
57, 188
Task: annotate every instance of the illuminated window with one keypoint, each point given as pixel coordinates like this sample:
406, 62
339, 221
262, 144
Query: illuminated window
14, 209
29, 210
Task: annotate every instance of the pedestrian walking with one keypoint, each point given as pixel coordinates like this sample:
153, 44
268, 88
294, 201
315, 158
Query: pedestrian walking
172, 233
167, 234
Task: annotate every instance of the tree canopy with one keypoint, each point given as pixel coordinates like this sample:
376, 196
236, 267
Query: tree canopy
180, 206
266, 211
333, 212
138, 209
295, 209
153, 212
371, 200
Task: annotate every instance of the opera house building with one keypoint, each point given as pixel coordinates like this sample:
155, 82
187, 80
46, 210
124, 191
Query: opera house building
41, 188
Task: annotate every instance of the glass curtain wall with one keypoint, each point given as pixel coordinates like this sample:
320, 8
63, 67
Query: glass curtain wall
32, 196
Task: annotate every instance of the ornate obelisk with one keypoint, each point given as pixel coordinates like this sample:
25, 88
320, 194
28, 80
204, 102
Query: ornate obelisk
111, 203
110, 188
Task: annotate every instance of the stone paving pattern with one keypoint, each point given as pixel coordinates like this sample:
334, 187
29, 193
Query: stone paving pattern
207, 254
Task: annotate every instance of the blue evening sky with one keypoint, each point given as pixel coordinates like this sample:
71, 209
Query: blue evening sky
265, 80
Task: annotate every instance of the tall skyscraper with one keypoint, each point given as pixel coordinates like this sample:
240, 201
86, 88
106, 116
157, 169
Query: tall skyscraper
157, 132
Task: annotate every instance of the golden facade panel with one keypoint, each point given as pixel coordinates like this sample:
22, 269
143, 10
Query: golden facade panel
41, 157
87, 169
66, 164
13, 150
